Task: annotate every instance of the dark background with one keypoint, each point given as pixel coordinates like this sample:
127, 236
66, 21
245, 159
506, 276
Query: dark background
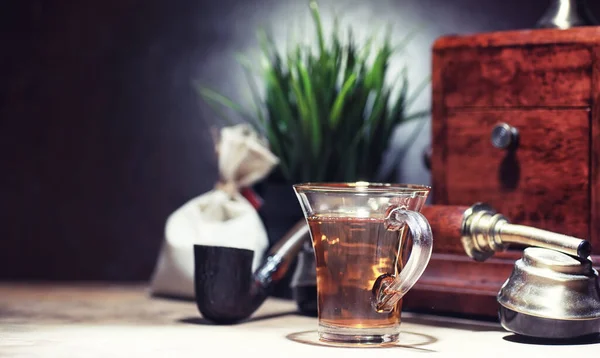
102, 136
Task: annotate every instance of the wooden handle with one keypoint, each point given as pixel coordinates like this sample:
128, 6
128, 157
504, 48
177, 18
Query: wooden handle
445, 221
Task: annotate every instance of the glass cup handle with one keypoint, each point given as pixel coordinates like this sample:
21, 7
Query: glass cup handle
390, 290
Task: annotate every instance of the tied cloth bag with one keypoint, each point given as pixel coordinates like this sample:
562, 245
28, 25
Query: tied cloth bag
220, 217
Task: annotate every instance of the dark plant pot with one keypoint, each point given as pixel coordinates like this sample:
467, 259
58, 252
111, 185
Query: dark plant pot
304, 282
280, 211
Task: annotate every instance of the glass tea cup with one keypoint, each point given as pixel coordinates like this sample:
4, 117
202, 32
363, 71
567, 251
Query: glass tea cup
364, 262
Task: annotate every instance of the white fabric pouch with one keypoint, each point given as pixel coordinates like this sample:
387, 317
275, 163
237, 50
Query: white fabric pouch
220, 217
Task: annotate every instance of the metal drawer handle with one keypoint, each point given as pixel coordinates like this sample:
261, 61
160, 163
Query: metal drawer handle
505, 136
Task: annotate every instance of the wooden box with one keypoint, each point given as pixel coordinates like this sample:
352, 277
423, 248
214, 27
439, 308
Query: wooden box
546, 84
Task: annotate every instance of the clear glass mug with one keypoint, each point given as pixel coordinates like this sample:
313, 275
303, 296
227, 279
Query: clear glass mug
364, 261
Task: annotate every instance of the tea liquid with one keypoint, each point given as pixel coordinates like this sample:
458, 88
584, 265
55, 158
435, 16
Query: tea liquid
351, 253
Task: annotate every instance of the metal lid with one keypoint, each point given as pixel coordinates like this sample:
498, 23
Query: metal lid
551, 284
556, 261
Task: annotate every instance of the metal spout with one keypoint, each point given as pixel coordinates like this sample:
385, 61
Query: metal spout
485, 232
226, 289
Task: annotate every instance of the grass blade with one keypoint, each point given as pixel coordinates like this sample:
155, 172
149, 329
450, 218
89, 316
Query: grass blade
213, 97
314, 10
336, 111
216, 97
312, 104
303, 106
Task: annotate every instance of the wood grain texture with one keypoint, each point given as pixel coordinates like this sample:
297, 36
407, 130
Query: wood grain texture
455, 283
520, 38
594, 234
543, 183
446, 222
546, 83
553, 75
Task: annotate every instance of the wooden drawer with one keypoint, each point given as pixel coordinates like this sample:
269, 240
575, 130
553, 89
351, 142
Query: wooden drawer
543, 183
544, 82
548, 76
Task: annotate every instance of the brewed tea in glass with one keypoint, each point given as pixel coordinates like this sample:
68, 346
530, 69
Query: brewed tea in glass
360, 233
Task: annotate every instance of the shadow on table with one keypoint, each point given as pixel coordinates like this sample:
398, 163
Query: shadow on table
408, 340
591, 339
454, 323
204, 321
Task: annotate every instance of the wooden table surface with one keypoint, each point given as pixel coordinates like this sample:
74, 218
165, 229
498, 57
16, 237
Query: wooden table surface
104, 320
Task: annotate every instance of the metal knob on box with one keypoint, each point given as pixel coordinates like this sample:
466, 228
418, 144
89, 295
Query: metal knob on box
505, 136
